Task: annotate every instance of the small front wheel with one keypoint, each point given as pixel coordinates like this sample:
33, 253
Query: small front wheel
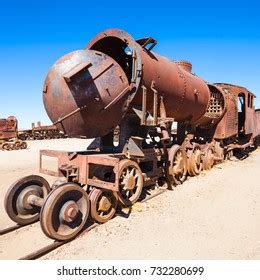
17, 201
65, 212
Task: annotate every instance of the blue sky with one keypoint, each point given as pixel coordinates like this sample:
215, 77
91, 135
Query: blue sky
220, 38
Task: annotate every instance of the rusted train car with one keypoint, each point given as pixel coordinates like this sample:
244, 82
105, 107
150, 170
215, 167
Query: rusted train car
11, 138
39, 132
118, 82
8, 135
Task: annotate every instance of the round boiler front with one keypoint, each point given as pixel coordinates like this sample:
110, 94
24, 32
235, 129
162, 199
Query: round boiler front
86, 93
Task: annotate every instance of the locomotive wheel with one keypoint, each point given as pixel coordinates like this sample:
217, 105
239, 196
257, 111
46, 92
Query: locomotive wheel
23, 145
17, 145
130, 182
229, 155
208, 159
6, 147
178, 165
103, 205
194, 161
16, 201
65, 212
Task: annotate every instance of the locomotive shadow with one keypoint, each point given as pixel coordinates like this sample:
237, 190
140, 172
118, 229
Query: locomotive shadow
239, 154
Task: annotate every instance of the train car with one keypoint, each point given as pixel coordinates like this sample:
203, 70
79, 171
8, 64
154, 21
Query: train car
120, 92
8, 135
39, 132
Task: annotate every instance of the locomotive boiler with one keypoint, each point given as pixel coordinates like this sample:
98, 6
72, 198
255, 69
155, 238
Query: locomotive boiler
127, 97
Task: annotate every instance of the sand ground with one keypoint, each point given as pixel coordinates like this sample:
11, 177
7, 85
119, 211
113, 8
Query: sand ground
213, 216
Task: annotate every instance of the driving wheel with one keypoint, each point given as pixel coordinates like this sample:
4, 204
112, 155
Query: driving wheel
208, 159
178, 165
130, 182
194, 161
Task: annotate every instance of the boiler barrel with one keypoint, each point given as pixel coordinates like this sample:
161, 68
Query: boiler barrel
186, 96
88, 92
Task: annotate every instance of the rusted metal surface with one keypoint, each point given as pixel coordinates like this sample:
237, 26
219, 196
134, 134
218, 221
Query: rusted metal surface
10, 229
84, 168
186, 65
186, 96
79, 86
8, 135
11, 138
128, 97
18, 203
93, 100
208, 158
103, 205
65, 212
194, 160
8, 128
130, 182
257, 126
240, 112
177, 164
38, 132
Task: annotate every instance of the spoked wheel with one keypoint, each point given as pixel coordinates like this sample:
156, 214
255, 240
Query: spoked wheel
208, 159
178, 165
17, 145
194, 161
130, 182
24, 197
65, 212
6, 147
23, 145
103, 205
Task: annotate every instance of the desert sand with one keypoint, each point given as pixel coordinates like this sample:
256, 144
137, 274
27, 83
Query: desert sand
215, 215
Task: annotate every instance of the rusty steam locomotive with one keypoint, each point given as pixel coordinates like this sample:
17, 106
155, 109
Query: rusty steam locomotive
117, 82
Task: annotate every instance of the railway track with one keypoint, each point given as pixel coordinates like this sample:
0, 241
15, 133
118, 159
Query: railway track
10, 229
56, 244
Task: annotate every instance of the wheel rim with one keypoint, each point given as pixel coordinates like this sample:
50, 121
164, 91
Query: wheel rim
3, 146
16, 203
6, 147
195, 161
178, 165
65, 212
130, 182
103, 205
23, 145
17, 145
208, 160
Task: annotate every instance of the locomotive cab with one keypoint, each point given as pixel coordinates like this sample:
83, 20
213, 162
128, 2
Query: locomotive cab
241, 113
